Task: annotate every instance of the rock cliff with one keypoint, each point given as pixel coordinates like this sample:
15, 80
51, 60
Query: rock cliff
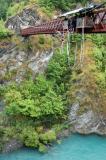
18, 57
87, 111
17, 62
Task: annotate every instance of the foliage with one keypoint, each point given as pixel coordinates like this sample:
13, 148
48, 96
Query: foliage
9, 132
64, 5
42, 148
59, 72
39, 129
59, 127
41, 40
30, 137
56, 71
101, 80
15, 8
2, 90
32, 105
10, 7
100, 59
48, 136
1, 137
3, 31
1, 131
3, 8
38, 101
43, 97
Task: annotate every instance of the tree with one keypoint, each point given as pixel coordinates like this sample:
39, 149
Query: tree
3, 8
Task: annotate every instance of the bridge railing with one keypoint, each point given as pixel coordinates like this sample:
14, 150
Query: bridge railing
93, 23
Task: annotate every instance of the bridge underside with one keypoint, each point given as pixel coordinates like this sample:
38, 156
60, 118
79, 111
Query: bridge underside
93, 23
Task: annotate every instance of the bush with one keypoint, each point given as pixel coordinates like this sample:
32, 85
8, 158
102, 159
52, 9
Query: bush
30, 137
1, 131
36, 100
10, 132
48, 137
39, 129
57, 67
15, 8
64, 5
38, 103
100, 59
101, 80
3, 8
42, 148
1, 137
3, 31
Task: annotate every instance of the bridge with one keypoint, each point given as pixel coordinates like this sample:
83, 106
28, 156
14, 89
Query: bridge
91, 19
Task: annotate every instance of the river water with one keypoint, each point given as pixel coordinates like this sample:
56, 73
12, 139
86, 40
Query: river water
76, 147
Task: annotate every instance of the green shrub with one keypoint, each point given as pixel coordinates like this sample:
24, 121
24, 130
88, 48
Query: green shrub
30, 137
39, 129
1, 131
57, 67
10, 132
15, 8
38, 100
38, 103
99, 55
41, 40
3, 8
101, 80
42, 148
64, 5
48, 136
3, 31
1, 137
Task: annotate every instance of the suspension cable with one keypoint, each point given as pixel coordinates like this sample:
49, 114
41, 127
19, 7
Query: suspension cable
75, 58
53, 45
62, 43
82, 43
68, 47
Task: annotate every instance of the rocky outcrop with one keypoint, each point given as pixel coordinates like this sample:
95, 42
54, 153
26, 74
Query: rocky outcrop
28, 17
16, 64
64, 133
87, 110
12, 145
88, 122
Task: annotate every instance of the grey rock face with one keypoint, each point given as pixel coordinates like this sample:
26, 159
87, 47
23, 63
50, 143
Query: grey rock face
63, 134
18, 63
38, 63
88, 122
73, 111
85, 114
15, 63
12, 145
28, 17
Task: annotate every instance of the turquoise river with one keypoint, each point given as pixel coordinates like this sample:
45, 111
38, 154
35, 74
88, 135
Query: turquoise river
76, 147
